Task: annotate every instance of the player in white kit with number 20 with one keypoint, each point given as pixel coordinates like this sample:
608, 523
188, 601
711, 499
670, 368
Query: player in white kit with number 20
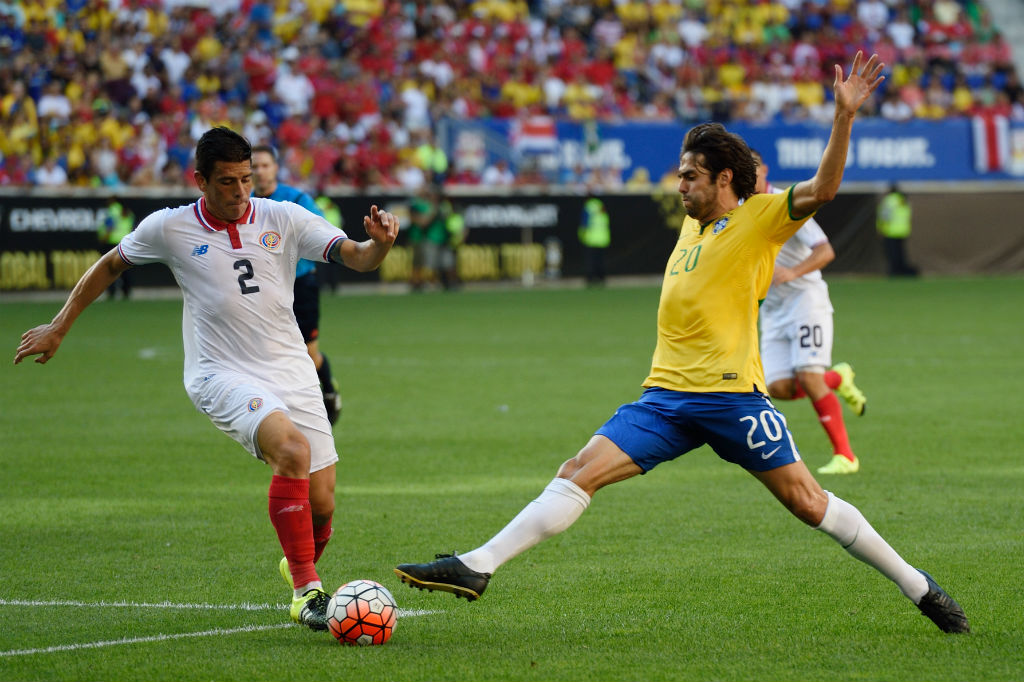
797, 333
246, 366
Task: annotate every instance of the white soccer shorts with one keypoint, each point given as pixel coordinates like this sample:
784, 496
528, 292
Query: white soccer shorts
797, 335
237, 405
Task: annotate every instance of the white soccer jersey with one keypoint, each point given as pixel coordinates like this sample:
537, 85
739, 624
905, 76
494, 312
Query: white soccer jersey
796, 316
237, 282
796, 249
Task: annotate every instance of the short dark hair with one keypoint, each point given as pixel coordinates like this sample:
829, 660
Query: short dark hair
719, 149
266, 149
220, 144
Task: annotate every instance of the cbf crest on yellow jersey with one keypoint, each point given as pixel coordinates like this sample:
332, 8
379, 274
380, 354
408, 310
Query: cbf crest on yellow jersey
715, 279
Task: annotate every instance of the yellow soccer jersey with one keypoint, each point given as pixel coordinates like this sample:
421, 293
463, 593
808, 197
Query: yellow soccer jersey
714, 282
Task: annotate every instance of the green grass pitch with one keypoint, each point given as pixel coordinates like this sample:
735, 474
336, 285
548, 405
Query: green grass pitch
135, 544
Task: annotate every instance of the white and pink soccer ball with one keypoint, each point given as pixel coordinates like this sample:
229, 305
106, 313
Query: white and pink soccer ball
362, 612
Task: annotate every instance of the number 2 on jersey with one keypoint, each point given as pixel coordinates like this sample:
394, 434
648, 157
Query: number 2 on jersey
246, 267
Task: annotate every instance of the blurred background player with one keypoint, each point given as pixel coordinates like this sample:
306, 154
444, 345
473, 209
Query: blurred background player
307, 288
797, 332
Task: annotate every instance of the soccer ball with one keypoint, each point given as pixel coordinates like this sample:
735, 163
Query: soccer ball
362, 612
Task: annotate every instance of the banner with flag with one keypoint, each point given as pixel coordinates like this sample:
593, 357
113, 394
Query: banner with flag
534, 135
991, 139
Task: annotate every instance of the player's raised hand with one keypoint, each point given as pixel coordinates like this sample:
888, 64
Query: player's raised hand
863, 80
42, 341
381, 226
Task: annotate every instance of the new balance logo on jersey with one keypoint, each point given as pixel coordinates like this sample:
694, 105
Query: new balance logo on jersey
200, 250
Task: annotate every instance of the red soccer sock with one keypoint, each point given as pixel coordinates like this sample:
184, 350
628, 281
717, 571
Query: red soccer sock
321, 536
830, 415
293, 521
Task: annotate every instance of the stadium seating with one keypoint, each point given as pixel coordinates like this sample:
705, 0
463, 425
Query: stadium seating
117, 93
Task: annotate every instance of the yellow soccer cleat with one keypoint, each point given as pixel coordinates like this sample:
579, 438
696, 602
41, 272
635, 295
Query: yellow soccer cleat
848, 390
840, 465
286, 572
311, 609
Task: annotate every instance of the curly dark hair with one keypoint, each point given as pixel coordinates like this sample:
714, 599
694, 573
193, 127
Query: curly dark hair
220, 144
719, 149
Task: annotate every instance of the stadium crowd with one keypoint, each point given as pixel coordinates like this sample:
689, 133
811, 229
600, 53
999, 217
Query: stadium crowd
113, 93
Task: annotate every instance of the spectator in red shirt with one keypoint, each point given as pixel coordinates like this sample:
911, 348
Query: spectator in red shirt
295, 131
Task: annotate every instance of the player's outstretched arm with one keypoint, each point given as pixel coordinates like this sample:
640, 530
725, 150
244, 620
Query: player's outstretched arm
46, 338
382, 228
850, 95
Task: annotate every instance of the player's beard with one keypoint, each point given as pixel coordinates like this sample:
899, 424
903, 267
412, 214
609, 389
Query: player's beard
701, 204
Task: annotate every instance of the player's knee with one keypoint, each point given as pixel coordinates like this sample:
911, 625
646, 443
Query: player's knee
807, 505
589, 453
569, 467
289, 455
812, 381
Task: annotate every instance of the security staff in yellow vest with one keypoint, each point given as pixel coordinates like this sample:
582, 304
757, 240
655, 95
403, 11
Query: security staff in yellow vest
329, 272
893, 223
455, 231
115, 226
330, 210
431, 158
595, 235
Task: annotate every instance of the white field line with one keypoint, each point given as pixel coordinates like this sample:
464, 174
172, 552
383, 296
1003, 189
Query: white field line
161, 637
136, 640
245, 606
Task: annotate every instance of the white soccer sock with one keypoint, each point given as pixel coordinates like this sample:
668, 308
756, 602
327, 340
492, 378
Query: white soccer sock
299, 591
847, 526
554, 510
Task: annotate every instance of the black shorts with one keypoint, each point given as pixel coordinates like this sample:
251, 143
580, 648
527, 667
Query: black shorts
307, 306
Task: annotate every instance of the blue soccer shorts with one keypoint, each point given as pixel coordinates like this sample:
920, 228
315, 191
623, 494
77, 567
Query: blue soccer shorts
742, 428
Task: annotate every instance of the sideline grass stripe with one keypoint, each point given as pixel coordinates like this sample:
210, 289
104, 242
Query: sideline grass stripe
137, 640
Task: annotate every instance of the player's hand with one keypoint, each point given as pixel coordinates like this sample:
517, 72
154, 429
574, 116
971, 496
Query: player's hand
42, 341
864, 79
381, 226
783, 274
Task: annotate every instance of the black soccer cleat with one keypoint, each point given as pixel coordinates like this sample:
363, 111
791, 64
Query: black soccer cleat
942, 609
332, 401
447, 574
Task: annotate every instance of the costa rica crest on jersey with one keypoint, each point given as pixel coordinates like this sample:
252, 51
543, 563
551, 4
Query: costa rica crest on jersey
270, 240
